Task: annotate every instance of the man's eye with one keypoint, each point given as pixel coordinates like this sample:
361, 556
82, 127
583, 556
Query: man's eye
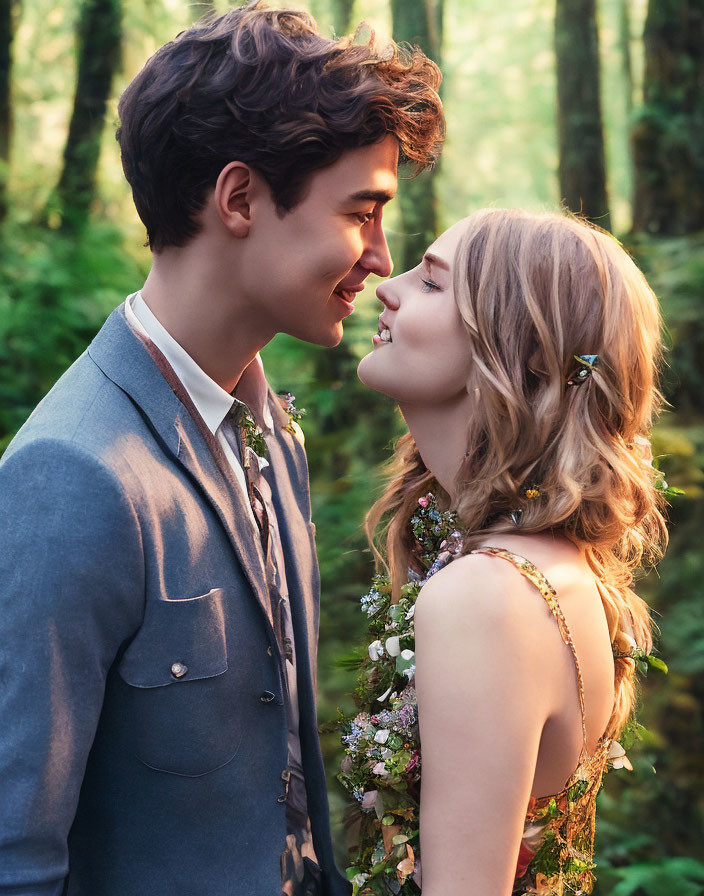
428, 285
365, 217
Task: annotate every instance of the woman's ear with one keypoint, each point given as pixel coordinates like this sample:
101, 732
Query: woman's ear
232, 198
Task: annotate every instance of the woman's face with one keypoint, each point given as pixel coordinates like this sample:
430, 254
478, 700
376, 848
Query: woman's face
421, 354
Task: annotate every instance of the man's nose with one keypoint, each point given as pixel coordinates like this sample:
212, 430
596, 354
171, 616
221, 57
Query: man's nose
376, 256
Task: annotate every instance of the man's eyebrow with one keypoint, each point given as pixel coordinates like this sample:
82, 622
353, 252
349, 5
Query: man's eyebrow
372, 196
429, 258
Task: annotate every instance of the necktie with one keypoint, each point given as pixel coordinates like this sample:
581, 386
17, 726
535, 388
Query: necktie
237, 419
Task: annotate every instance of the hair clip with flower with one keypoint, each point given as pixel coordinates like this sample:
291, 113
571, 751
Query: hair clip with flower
587, 363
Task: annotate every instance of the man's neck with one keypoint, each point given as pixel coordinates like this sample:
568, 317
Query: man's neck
193, 298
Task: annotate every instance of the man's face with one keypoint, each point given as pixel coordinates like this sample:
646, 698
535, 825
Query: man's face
303, 270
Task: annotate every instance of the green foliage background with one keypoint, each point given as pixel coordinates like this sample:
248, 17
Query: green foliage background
56, 290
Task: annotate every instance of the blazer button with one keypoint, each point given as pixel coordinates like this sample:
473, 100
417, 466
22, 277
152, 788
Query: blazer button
178, 670
267, 697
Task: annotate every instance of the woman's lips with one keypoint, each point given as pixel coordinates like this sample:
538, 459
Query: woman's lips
383, 335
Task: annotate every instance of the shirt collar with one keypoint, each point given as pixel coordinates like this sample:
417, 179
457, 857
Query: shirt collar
211, 400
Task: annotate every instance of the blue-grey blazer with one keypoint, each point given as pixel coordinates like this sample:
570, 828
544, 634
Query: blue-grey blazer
126, 548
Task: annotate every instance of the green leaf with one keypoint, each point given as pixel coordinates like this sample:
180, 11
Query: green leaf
657, 663
388, 820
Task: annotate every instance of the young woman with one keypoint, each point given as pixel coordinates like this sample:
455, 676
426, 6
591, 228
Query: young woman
523, 354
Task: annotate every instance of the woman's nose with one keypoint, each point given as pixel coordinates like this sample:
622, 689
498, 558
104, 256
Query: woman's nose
386, 293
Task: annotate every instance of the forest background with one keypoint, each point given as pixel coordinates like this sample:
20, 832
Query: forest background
600, 108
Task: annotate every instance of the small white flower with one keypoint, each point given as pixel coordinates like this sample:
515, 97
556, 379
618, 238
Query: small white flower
360, 879
380, 770
384, 695
630, 640
618, 757
369, 799
411, 613
407, 654
376, 649
382, 735
393, 646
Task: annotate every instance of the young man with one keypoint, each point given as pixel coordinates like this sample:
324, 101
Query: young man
158, 581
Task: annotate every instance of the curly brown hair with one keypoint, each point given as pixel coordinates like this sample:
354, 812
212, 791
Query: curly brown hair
263, 87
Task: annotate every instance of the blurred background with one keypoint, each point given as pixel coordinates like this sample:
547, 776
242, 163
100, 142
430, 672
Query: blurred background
599, 107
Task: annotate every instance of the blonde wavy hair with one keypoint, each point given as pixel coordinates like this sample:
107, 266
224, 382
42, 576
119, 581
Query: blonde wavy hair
534, 291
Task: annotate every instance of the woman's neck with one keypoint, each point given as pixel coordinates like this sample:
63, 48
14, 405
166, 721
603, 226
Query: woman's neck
440, 433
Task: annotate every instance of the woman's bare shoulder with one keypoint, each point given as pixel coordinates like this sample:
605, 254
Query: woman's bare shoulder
473, 588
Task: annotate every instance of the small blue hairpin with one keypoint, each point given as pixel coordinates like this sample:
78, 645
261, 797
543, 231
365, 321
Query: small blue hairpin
587, 364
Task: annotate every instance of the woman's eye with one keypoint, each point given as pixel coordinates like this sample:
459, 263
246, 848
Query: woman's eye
428, 285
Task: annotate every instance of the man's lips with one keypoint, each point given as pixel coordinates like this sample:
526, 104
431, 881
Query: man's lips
348, 293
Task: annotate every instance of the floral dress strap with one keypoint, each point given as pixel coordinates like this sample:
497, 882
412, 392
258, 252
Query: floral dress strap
533, 574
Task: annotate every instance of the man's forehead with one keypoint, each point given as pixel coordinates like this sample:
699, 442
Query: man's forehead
364, 174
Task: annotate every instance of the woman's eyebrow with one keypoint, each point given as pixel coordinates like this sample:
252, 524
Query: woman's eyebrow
429, 259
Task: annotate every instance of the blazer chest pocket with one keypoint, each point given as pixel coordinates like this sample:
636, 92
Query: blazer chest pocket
181, 715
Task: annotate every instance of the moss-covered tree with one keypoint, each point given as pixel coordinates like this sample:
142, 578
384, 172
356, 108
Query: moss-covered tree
342, 16
582, 165
8, 10
668, 133
418, 22
99, 46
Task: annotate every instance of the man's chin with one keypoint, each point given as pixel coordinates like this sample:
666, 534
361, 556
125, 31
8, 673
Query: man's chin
323, 338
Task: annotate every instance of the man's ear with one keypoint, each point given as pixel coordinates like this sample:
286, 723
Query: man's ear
232, 198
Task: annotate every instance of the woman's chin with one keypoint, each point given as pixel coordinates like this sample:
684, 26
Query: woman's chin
369, 374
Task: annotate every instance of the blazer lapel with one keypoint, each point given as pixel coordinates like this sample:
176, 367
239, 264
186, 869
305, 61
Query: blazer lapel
145, 375
292, 506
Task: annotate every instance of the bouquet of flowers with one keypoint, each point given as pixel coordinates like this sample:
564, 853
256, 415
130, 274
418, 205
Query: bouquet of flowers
381, 768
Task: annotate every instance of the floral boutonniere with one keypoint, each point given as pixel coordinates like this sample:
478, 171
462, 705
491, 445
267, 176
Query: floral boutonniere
295, 415
251, 433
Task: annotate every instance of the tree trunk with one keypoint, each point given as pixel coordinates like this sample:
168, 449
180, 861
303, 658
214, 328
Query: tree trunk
624, 39
342, 16
668, 134
201, 8
582, 166
8, 9
99, 46
418, 22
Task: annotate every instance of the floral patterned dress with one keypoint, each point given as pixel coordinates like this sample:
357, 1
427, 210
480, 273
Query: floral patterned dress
557, 848
382, 765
